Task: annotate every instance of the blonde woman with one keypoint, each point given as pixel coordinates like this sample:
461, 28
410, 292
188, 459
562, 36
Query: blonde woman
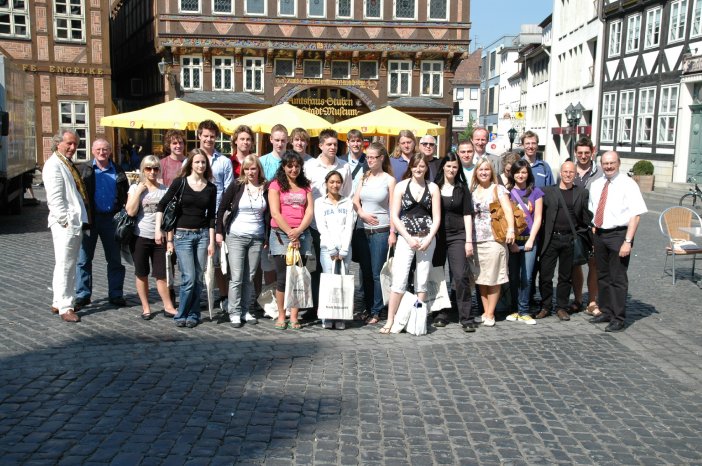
490, 256
142, 201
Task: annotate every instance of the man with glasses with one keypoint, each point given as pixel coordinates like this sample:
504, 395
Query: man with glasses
427, 147
174, 149
543, 176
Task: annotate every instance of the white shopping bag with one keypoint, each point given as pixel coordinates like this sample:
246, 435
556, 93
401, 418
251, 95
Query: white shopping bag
336, 295
386, 278
223, 258
417, 322
437, 291
402, 315
298, 287
210, 284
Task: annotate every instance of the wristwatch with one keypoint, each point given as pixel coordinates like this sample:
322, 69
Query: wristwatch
630, 241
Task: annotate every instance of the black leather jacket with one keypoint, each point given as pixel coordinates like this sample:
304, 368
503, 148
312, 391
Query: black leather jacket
88, 175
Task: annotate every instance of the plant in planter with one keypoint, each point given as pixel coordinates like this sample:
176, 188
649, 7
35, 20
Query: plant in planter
643, 175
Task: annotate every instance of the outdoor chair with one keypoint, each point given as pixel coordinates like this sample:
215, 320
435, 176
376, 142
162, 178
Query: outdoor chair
679, 243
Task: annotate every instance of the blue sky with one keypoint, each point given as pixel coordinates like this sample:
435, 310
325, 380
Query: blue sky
492, 19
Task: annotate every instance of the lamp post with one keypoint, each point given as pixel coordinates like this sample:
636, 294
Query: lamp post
512, 135
573, 115
164, 68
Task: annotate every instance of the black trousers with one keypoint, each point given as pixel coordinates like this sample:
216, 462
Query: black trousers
458, 265
560, 250
612, 274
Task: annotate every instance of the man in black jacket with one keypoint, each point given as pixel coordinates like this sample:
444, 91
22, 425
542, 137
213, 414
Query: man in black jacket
107, 186
561, 202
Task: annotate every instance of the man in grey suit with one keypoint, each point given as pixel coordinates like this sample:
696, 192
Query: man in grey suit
66, 198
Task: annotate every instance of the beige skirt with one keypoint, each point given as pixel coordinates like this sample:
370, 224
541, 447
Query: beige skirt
490, 261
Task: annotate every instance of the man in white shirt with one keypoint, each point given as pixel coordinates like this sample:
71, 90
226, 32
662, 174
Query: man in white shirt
480, 140
617, 205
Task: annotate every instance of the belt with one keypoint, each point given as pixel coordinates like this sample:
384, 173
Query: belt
609, 230
420, 234
375, 231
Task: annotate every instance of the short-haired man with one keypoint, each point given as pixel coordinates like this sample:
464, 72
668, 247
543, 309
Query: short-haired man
543, 176
427, 147
174, 150
107, 186
587, 172
355, 157
480, 140
617, 205
66, 198
563, 204
299, 140
466, 153
271, 161
242, 139
316, 171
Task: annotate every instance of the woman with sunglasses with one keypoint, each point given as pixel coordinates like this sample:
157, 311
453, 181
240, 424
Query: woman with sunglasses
142, 201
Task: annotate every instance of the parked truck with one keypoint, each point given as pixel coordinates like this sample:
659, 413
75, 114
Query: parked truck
17, 134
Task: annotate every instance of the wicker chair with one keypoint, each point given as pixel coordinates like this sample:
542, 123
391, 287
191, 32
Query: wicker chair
679, 242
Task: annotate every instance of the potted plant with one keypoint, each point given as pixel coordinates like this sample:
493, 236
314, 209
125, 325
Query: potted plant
643, 175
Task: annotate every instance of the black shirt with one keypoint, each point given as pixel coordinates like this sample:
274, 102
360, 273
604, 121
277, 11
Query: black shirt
197, 209
562, 223
453, 209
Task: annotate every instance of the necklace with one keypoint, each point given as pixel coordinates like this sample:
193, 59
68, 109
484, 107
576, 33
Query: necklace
259, 192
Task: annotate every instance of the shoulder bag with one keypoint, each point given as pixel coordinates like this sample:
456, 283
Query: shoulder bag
173, 210
499, 221
124, 227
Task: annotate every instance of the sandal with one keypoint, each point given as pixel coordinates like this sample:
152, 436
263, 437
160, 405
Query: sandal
385, 330
281, 325
295, 325
372, 320
593, 310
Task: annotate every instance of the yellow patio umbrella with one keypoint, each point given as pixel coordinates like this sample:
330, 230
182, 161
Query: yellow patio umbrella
174, 114
285, 114
387, 121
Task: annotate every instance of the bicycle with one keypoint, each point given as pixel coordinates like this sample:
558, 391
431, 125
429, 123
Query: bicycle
693, 199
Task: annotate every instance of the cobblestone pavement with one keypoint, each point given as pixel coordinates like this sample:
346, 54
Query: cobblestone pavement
118, 390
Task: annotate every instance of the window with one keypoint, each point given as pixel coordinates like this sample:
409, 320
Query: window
223, 6
222, 74
74, 114
644, 117
405, 9
491, 104
400, 80
368, 69
316, 8
626, 115
191, 73
615, 38
472, 115
678, 16
189, 6
432, 78
341, 69
438, 10
256, 7
667, 114
474, 93
633, 33
344, 8
493, 62
373, 9
459, 93
653, 27
287, 8
253, 74
69, 19
696, 19
312, 69
14, 18
285, 67
609, 111
459, 117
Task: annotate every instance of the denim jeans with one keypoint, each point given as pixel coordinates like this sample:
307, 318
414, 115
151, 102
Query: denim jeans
521, 271
244, 257
371, 256
191, 248
104, 228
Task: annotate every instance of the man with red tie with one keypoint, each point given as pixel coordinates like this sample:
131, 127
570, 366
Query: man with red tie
617, 205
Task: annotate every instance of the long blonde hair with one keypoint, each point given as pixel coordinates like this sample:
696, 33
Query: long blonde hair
150, 160
382, 151
405, 133
251, 159
474, 179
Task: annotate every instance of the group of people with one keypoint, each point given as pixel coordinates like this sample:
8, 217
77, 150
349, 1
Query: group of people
358, 206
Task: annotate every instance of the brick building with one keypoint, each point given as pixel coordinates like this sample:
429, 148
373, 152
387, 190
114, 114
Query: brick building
63, 47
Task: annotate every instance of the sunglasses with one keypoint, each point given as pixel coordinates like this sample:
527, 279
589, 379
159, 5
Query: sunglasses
430, 144
152, 169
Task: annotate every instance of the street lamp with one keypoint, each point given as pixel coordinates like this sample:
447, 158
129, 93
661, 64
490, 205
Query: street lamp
512, 135
573, 115
165, 70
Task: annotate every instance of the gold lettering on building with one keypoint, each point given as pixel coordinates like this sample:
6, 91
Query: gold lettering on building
63, 69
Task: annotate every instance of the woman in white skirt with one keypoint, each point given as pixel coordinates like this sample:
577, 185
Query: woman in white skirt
490, 257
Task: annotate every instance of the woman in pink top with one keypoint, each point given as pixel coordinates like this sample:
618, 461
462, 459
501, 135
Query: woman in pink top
290, 201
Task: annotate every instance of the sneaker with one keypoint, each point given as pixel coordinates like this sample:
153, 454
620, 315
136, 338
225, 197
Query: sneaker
527, 319
191, 324
513, 317
236, 321
327, 324
180, 323
479, 319
250, 319
340, 324
488, 322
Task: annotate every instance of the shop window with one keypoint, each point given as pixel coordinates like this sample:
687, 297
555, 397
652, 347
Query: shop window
285, 67
69, 20
222, 74
253, 74
341, 69
287, 8
74, 114
368, 69
399, 77
223, 6
14, 18
312, 69
191, 73
189, 6
432, 78
405, 9
373, 9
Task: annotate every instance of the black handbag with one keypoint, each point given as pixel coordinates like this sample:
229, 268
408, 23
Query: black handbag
172, 210
124, 227
582, 246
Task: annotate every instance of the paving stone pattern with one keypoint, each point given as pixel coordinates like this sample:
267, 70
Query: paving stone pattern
118, 390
